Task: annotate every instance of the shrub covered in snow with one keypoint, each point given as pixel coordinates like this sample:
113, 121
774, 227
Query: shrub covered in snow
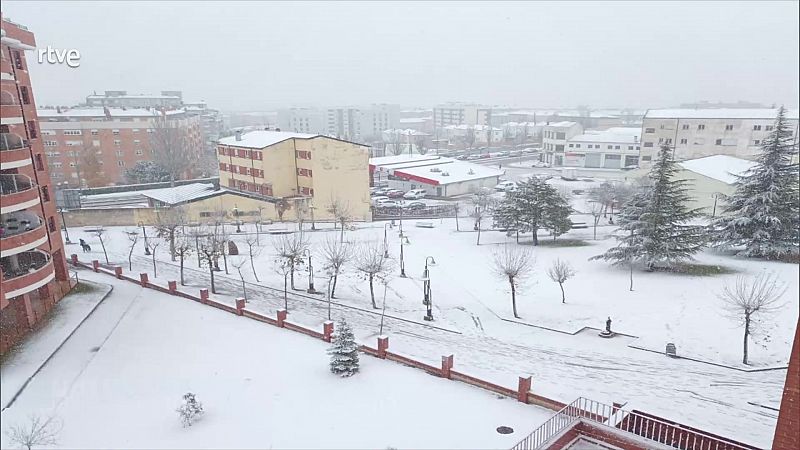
190, 410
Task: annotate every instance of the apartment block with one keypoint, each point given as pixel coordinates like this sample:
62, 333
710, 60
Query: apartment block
301, 120
309, 171
695, 133
614, 148
121, 99
461, 114
34, 274
92, 147
554, 140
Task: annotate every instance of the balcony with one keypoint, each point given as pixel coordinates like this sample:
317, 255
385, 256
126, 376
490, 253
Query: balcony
25, 272
14, 151
21, 231
17, 192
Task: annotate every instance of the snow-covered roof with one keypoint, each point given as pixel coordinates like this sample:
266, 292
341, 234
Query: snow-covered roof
719, 113
100, 112
173, 97
448, 171
723, 168
400, 160
564, 124
140, 199
415, 119
263, 138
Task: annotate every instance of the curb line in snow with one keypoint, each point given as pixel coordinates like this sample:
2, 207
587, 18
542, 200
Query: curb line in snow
41, 366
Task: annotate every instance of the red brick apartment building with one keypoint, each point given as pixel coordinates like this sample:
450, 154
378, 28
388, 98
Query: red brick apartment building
96, 145
34, 271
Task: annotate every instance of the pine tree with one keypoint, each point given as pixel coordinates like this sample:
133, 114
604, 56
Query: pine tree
655, 223
532, 206
762, 213
344, 351
556, 214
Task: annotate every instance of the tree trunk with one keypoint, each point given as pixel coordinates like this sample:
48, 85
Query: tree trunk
253, 266
563, 298
291, 272
479, 234
513, 296
746, 335
372, 292
595, 228
130, 259
102, 244
155, 272
535, 232
244, 287
631, 288
456, 211
172, 245
211, 271
182, 282
285, 297
225, 257
341, 238
333, 289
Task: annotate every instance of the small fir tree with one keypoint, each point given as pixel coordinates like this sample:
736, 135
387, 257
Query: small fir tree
344, 351
763, 213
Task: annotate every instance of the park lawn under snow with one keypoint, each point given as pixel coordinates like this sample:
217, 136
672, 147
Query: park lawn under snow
261, 387
663, 308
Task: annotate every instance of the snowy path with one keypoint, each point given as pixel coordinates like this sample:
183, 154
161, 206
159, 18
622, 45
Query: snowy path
564, 367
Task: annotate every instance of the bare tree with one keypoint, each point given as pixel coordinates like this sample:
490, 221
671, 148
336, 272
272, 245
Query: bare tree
284, 268
469, 137
340, 210
238, 266
749, 300
371, 263
169, 222
183, 248
133, 237
290, 248
561, 271
37, 432
513, 263
456, 209
281, 206
253, 250
170, 147
210, 249
153, 245
482, 202
397, 146
336, 255
596, 210
419, 141
99, 232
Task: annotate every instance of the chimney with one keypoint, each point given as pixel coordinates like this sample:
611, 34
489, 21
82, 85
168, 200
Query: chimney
238, 135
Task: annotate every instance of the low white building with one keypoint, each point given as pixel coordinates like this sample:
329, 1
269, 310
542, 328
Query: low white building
440, 176
614, 148
459, 133
554, 140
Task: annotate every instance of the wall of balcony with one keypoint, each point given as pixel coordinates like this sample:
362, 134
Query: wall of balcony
21, 231
14, 151
17, 192
26, 271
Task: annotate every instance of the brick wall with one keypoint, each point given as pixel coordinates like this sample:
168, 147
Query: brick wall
787, 432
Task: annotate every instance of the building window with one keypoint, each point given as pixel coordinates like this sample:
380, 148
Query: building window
728, 127
32, 129
50, 144
701, 127
117, 142
660, 140
95, 133
23, 92
51, 224
646, 158
135, 130
18, 60
136, 142
72, 132
685, 126
610, 147
57, 165
570, 146
305, 172
667, 141
630, 147
648, 144
115, 132
757, 142
684, 141
45, 193
718, 142
39, 162
649, 130
756, 127
768, 128
616, 147
577, 145
139, 151
121, 163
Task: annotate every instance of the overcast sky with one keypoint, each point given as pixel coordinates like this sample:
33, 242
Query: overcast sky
259, 56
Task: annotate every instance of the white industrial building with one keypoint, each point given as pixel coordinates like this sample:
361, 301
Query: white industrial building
440, 176
614, 148
554, 140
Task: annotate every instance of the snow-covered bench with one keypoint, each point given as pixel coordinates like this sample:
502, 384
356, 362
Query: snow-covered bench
424, 224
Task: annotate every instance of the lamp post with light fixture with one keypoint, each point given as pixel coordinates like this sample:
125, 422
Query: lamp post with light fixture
426, 289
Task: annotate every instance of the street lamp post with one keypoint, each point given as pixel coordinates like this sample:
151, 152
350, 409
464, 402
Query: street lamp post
330, 279
64, 223
236, 217
311, 207
426, 289
144, 233
385, 240
403, 241
311, 289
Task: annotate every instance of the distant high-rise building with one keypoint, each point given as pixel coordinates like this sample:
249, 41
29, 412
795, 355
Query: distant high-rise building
34, 271
121, 99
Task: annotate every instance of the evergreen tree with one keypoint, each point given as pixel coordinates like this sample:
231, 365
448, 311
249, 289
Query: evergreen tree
344, 351
532, 206
655, 224
762, 214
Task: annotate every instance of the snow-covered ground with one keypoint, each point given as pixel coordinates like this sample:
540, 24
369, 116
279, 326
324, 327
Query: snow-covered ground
21, 364
262, 387
470, 299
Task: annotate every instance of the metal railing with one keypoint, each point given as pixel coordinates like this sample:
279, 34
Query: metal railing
668, 434
13, 183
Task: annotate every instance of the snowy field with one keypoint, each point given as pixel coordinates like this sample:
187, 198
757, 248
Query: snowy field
472, 301
262, 387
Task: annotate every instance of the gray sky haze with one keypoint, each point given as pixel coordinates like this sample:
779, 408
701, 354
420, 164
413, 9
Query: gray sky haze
259, 56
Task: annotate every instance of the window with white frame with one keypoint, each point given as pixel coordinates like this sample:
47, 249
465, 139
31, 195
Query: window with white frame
72, 132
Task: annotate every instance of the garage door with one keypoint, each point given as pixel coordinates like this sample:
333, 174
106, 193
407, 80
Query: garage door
612, 162
592, 160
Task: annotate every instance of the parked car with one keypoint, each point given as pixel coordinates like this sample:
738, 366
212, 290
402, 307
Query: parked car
516, 153
484, 156
379, 192
388, 203
395, 193
540, 164
501, 154
472, 157
462, 157
378, 199
415, 194
505, 185
415, 205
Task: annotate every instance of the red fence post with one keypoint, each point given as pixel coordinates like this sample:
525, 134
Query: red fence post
447, 365
95, 265
173, 286
524, 388
281, 317
239, 304
203, 295
383, 346
118, 272
74, 259
143, 279
327, 331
